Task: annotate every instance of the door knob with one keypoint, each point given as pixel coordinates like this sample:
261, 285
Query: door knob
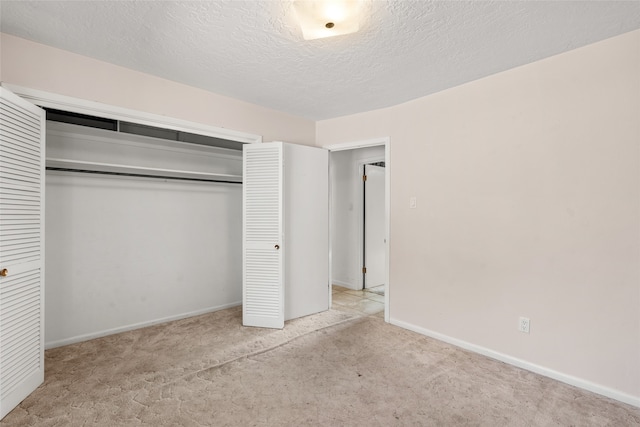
4, 272
277, 247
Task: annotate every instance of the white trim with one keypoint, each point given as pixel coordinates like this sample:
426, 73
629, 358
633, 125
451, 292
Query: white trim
386, 141
76, 105
134, 326
541, 370
330, 221
359, 144
345, 285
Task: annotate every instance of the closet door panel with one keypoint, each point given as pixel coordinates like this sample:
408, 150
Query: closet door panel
306, 230
263, 251
21, 249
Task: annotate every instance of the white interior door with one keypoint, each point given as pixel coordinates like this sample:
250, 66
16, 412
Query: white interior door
263, 254
286, 233
375, 251
22, 130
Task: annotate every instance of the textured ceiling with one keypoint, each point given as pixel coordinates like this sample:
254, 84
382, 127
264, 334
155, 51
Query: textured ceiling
254, 51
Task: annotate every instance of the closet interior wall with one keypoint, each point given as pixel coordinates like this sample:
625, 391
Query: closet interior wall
124, 252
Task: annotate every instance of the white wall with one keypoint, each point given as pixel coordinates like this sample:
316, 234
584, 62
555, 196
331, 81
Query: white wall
346, 212
36, 66
125, 252
528, 187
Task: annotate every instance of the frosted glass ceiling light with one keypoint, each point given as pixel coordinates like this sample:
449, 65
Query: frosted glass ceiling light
327, 18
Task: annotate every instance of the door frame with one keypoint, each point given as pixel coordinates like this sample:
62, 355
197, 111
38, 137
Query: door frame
82, 106
386, 142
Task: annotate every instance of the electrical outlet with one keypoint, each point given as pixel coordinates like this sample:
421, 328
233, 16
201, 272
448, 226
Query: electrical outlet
523, 325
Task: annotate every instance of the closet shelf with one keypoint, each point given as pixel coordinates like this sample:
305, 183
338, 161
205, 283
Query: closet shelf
108, 168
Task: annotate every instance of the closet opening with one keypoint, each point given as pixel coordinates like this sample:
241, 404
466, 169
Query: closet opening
142, 217
359, 272
139, 229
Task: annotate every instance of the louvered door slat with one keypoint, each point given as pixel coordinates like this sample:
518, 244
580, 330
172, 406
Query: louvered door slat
22, 344
18, 313
29, 317
27, 184
13, 155
21, 249
18, 225
20, 143
9, 235
7, 199
13, 188
20, 146
19, 339
16, 330
24, 114
19, 173
16, 123
30, 155
19, 240
24, 168
263, 284
24, 366
9, 196
19, 244
15, 207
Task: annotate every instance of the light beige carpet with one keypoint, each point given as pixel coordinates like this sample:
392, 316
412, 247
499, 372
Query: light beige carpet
334, 368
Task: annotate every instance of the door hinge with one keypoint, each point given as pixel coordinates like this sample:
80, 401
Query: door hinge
364, 270
364, 178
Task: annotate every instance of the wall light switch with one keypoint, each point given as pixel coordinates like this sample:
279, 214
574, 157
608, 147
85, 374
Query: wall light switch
413, 202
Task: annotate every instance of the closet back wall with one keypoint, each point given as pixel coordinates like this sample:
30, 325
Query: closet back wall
128, 252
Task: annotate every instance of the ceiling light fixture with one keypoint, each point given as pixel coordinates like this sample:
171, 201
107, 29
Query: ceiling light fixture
327, 18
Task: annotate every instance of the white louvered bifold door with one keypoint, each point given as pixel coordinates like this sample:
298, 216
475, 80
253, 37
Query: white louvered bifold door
21, 249
263, 251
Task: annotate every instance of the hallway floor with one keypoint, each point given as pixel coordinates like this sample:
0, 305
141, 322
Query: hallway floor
366, 301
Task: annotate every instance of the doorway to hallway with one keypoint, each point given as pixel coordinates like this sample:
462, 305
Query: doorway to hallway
347, 207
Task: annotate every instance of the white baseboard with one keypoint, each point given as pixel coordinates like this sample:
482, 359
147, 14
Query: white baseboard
345, 284
99, 334
559, 376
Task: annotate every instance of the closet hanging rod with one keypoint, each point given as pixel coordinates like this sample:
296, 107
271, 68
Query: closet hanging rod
140, 175
69, 165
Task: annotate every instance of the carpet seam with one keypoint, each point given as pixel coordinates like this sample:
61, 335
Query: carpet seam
263, 351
